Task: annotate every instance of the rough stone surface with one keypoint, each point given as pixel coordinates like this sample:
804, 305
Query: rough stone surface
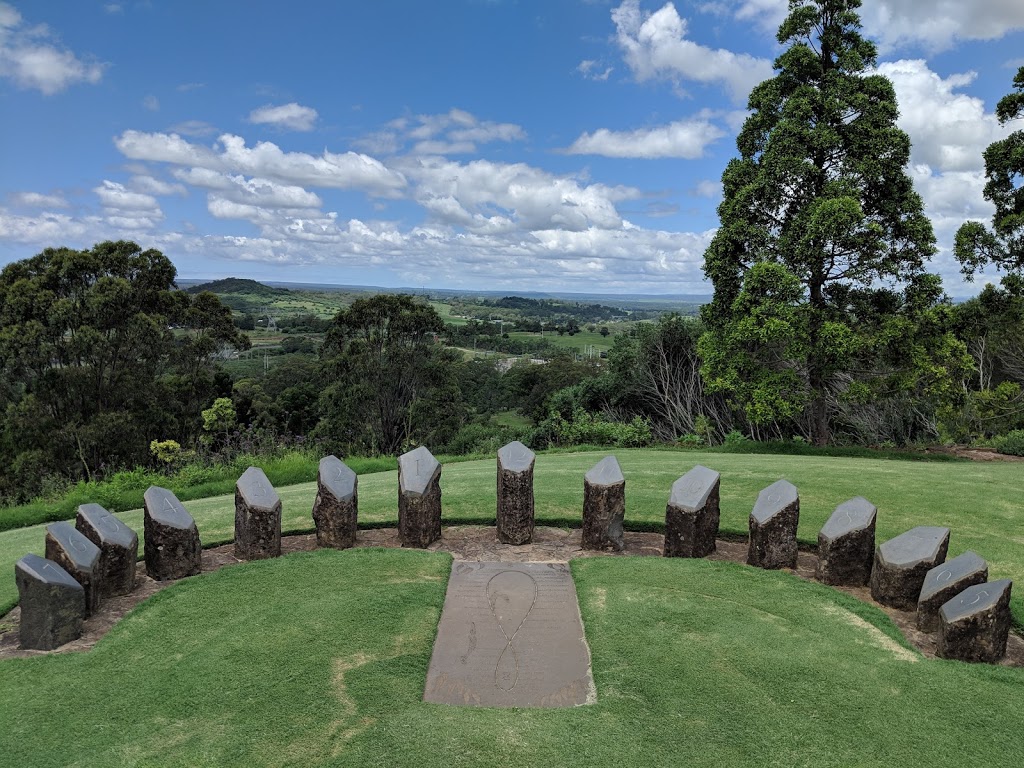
846, 544
257, 517
604, 505
773, 523
119, 548
975, 625
336, 508
510, 635
73, 552
515, 493
692, 514
172, 548
419, 498
944, 582
52, 603
902, 563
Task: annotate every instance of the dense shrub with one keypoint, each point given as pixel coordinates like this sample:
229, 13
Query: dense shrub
1011, 443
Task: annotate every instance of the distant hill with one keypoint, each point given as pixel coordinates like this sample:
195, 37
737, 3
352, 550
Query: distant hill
238, 285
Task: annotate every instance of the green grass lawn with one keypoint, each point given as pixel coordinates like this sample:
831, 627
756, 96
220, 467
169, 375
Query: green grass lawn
579, 342
981, 502
320, 659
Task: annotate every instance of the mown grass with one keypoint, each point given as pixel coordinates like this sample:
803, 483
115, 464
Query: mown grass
320, 659
980, 502
579, 341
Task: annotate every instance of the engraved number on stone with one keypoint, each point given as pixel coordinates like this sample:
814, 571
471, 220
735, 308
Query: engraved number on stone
511, 596
774, 498
341, 475
109, 521
945, 575
260, 490
979, 597
694, 487
75, 544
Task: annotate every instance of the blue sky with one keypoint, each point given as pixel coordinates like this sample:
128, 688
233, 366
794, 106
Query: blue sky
571, 145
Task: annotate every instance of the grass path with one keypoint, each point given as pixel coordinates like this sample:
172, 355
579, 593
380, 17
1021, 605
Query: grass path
982, 503
320, 659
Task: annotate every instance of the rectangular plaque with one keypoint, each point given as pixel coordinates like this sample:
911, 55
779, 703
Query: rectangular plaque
510, 635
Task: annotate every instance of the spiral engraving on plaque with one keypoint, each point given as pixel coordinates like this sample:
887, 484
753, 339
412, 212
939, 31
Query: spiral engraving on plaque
511, 596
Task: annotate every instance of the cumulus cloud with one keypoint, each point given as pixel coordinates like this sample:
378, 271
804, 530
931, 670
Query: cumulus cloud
30, 57
593, 70
655, 45
293, 117
455, 132
685, 139
153, 186
256, 191
266, 160
126, 209
37, 200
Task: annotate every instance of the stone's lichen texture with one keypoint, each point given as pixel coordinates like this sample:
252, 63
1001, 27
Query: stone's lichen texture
692, 514
52, 604
419, 498
172, 546
73, 552
336, 508
257, 517
773, 523
846, 544
975, 625
902, 563
944, 582
604, 505
515, 494
119, 548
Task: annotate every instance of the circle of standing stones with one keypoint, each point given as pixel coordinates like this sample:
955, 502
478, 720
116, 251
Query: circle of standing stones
96, 557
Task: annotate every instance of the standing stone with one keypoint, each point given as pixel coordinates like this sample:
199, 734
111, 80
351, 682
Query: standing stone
604, 505
944, 582
257, 517
78, 556
335, 510
172, 546
419, 498
773, 523
119, 548
52, 604
692, 514
846, 544
902, 563
975, 625
515, 493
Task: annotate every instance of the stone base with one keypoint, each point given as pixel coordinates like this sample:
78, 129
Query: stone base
773, 542
978, 635
604, 509
52, 604
691, 532
119, 548
257, 531
419, 518
515, 506
336, 521
172, 553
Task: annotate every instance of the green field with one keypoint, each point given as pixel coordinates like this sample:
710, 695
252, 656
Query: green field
320, 659
445, 311
579, 342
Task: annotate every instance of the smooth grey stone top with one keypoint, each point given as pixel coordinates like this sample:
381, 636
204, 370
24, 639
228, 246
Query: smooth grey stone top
952, 570
83, 553
980, 597
516, 457
46, 571
917, 545
773, 499
417, 469
109, 527
165, 508
606, 472
337, 476
854, 515
691, 491
256, 490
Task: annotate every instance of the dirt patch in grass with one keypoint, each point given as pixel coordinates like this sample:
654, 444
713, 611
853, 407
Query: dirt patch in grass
480, 543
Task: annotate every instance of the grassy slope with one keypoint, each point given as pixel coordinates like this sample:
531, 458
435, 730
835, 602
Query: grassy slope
980, 502
320, 659
579, 341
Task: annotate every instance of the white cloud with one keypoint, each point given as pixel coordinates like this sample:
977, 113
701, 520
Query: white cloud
655, 45
37, 200
259, 192
592, 70
33, 61
455, 132
152, 103
683, 139
154, 186
113, 8
291, 116
194, 128
127, 210
265, 160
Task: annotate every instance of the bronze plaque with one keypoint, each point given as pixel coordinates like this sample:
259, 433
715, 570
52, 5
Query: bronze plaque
510, 636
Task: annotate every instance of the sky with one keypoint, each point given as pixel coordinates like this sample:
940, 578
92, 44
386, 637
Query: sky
556, 145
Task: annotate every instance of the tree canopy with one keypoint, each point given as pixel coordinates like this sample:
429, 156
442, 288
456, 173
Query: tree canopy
1003, 245
100, 355
818, 211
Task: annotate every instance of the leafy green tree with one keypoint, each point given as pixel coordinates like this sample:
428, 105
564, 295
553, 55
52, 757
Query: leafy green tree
1003, 245
96, 348
820, 193
390, 383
